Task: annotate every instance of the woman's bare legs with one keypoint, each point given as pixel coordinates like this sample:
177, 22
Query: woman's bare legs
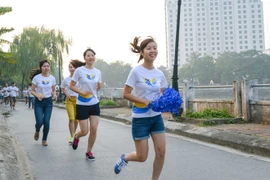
84, 128
141, 153
94, 120
159, 141
73, 124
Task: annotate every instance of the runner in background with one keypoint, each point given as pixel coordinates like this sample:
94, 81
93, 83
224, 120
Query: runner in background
71, 98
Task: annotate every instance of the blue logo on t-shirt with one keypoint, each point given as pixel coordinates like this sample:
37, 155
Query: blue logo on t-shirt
45, 82
90, 77
150, 83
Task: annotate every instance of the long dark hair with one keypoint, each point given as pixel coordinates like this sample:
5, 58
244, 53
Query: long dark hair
37, 71
136, 48
77, 63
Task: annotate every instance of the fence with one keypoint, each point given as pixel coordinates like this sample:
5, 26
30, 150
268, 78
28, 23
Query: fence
245, 99
256, 101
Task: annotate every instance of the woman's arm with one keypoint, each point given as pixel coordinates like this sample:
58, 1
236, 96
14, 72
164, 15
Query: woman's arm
73, 87
34, 93
54, 92
127, 95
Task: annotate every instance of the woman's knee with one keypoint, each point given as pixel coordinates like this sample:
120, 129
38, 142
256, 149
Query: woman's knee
84, 132
142, 157
93, 130
160, 152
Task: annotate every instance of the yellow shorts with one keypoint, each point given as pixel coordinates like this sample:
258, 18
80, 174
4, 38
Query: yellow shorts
71, 107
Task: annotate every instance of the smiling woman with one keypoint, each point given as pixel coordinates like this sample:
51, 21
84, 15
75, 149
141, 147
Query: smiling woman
149, 82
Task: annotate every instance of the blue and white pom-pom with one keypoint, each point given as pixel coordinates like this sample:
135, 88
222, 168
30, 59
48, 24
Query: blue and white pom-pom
169, 101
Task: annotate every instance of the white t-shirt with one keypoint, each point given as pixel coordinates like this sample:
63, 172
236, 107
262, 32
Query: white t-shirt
5, 91
44, 84
25, 93
65, 85
29, 92
13, 91
146, 85
87, 80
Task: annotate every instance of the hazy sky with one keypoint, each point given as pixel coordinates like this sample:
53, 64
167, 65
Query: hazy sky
107, 26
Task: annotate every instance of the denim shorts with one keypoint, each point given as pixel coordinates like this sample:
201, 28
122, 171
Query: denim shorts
83, 112
143, 127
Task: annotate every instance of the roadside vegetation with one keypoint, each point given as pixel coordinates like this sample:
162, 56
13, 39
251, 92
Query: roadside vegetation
105, 103
209, 113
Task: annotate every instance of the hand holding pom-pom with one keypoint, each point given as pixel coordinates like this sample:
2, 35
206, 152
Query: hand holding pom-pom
169, 101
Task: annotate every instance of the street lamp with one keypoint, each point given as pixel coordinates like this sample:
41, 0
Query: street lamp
175, 66
52, 45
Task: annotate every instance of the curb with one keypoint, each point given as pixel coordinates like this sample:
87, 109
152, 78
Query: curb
245, 143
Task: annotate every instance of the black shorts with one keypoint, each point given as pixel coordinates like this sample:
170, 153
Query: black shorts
83, 112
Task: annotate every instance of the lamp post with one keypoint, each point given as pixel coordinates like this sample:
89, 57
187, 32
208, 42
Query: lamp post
175, 66
59, 99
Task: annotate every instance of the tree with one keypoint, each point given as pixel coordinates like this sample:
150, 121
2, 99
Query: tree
116, 73
34, 45
189, 70
166, 73
5, 56
205, 68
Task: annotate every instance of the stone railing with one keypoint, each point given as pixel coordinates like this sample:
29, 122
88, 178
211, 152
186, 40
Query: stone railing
246, 99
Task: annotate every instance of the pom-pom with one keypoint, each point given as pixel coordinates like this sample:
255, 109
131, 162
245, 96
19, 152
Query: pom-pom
169, 101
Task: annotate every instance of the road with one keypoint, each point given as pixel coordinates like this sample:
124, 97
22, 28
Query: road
186, 159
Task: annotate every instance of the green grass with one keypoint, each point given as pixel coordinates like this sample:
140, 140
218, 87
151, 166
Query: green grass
108, 103
209, 113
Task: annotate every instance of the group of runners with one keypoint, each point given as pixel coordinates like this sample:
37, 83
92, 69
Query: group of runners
82, 103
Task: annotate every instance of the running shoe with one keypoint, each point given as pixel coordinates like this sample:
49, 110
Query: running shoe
120, 164
75, 143
36, 136
89, 156
44, 143
70, 140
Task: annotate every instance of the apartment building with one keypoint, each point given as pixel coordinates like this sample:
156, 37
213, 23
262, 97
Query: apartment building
211, 27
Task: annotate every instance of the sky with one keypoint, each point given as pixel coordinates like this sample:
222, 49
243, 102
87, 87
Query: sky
107, 26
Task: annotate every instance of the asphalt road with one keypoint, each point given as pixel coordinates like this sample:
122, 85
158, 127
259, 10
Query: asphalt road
186, 159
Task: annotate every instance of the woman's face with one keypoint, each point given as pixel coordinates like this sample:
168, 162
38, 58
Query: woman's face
150, 52
45, 68
71, 69
90, 58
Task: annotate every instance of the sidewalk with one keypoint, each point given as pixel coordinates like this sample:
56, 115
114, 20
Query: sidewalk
9, 165
250, 138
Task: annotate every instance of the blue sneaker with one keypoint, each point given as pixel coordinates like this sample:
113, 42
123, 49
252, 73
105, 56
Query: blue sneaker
120, 164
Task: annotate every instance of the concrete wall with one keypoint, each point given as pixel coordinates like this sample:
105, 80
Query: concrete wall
260, 112
200, 105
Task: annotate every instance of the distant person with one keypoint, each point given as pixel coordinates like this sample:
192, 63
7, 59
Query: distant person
1, 95
13, 94
25, 95
89, 80
31, 99
71, 98
148, 83
5, 92
43, 88
211, 82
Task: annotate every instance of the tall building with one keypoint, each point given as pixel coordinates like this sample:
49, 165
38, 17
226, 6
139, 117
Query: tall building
211, 27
